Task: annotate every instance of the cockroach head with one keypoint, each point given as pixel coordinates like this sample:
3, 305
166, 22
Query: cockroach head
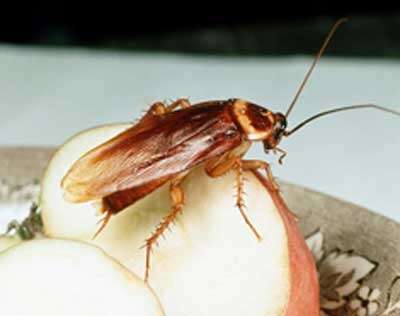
258, 123
278, 130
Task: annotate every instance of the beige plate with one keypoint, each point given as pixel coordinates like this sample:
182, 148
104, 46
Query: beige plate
357, 251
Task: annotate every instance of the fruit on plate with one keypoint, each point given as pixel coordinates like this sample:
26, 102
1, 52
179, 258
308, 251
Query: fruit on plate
58, 277
210, 263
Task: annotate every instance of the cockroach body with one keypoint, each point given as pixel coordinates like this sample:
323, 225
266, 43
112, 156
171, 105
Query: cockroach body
174, 143
170, 140
165, 145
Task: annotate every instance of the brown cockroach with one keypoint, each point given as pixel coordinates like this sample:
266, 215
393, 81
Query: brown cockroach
167, 143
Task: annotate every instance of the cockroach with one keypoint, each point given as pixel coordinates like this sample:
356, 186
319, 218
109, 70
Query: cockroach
170, 140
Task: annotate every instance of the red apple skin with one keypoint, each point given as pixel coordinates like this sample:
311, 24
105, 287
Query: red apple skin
304, 292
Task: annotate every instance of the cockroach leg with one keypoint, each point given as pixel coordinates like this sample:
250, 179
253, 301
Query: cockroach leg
220, 166
254, 165
177, 199
103, 223
269, 186
159, 108
181, 103
283, 154
259, 164
239, 197
224, 163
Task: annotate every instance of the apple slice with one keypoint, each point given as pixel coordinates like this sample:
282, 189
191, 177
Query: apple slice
211, 263
59, 277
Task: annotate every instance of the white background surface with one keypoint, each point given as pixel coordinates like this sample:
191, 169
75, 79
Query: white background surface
48, 95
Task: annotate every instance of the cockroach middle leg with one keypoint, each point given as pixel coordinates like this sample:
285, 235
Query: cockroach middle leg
221, 165
179, 103
159, 108
239, 196
177, 200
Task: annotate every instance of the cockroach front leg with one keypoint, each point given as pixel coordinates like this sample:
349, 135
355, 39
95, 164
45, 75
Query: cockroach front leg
254, 165
177, 199
220, 167
283, 154
259, 164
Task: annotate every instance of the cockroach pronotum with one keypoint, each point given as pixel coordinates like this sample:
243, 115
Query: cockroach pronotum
170, 140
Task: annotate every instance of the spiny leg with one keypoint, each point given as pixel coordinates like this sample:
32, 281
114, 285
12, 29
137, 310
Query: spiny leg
177, 199
220, 167
103, 221
259, 164
224, 163
160, 108
182, 103
254, 165
239, 197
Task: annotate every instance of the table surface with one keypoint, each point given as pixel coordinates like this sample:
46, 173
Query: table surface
47, 95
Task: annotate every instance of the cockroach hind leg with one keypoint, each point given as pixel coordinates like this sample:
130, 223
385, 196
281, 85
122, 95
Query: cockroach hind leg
239, 198
158, 232
103, 223
148, 255
177, 197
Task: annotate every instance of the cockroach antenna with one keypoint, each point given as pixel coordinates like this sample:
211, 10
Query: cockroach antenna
338, 109
316, 59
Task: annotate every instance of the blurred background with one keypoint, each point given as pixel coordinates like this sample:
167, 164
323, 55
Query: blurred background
248, 30
61, 72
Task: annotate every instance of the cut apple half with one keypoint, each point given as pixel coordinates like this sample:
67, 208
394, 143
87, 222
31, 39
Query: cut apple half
210, 263
58, 277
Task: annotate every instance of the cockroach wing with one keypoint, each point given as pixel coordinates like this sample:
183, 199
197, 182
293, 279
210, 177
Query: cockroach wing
158, 147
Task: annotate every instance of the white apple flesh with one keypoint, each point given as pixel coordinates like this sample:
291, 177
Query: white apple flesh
57, 277
210, 263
